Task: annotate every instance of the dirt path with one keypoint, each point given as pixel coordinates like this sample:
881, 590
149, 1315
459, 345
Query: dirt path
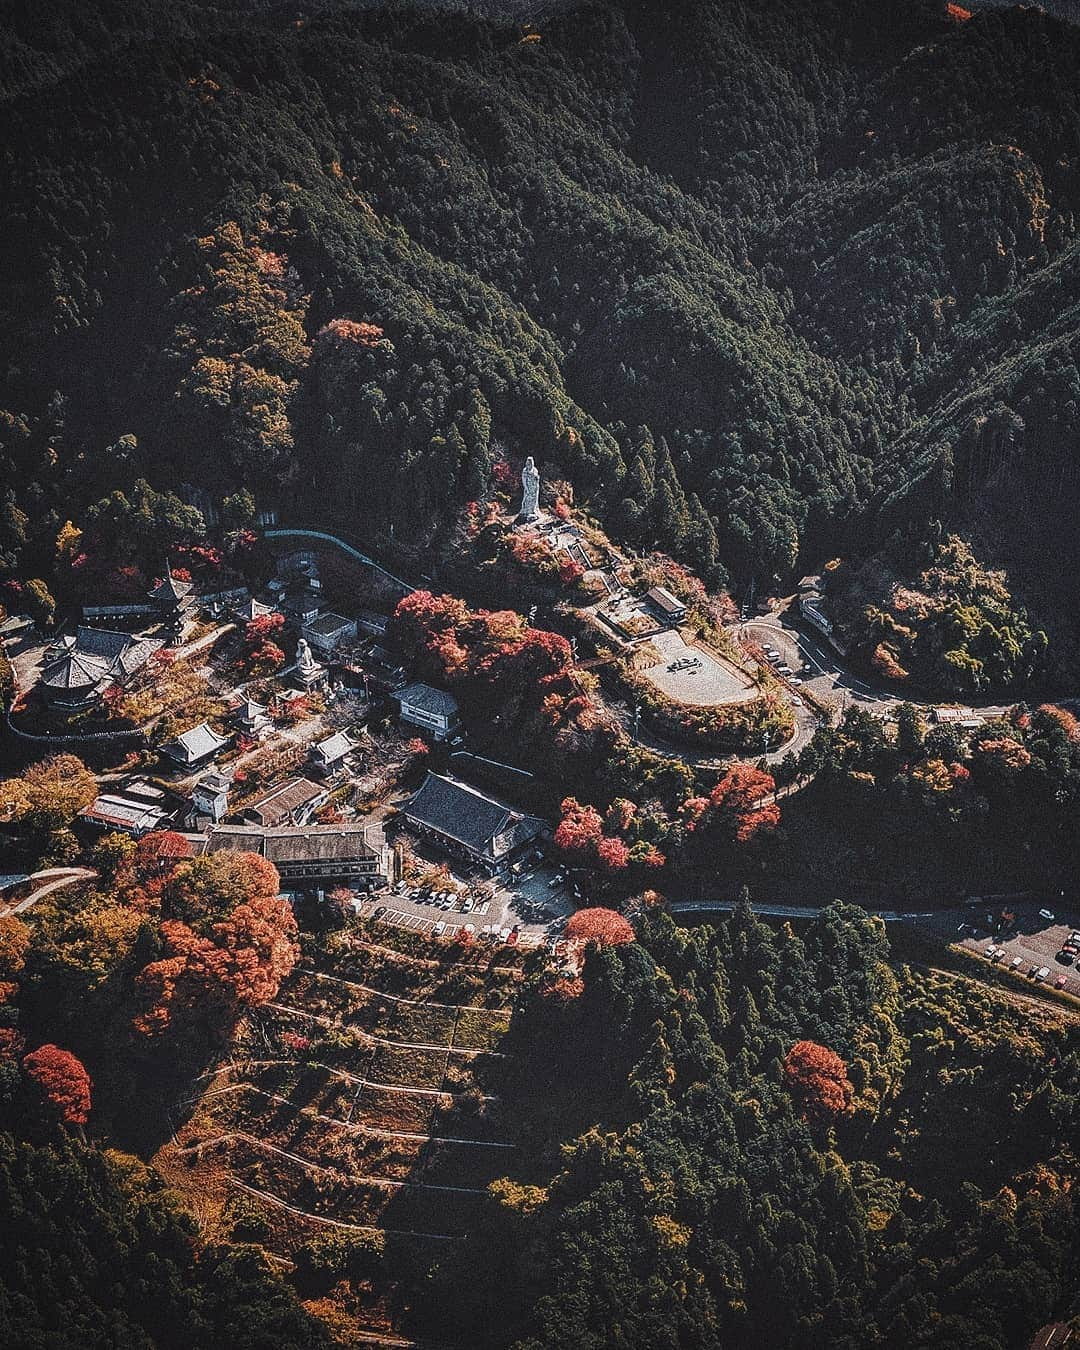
355, 1127
278, 1203
312, 1166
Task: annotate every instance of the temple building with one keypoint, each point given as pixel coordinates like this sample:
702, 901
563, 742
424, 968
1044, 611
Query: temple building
468, 824
85, 665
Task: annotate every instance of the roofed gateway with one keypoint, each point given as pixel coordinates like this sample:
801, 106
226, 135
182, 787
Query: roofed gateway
469, 824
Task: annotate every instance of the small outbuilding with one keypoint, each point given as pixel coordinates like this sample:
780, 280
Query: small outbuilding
195, 748
330, 756
432, 710
669, 607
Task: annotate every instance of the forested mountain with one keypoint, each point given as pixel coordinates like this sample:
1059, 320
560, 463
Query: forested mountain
766, 280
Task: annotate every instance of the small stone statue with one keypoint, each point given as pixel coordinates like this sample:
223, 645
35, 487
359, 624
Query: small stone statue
304, 660
530, 490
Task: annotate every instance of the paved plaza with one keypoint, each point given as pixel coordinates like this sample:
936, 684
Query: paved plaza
692, 675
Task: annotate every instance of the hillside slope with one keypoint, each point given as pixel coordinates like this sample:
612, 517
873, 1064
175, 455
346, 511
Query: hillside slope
763, 279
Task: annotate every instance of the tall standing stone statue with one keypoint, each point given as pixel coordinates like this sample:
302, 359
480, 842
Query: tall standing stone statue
530, 490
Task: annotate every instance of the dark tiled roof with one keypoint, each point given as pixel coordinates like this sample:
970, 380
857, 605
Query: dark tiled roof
437, 702
462, 813
195, 743
170, 590
75, 670
97, 654
102, 642
326, 625
275, 806
302, 843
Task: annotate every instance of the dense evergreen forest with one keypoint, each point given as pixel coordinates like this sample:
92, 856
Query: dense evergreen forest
771, 285
765, 280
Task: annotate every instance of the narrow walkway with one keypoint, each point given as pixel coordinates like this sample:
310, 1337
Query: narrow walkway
298, 533
278, 1203
309, 1165
357, 1127
787, 911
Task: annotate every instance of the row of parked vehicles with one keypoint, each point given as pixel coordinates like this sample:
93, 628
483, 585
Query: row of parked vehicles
1070, 949
781, 666
421, 895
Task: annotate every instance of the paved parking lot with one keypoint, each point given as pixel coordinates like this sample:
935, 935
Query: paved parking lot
529, 902
1035, 940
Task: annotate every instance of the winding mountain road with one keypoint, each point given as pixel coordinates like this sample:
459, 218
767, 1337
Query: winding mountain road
52, 879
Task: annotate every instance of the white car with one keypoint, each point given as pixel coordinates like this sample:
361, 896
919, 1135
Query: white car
1016, 963
1047, 914
797, 702
1042, 973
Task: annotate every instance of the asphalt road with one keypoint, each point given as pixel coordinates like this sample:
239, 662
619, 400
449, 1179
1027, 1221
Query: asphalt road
822, 671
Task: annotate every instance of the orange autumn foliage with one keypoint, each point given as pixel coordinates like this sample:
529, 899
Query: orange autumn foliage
158, 853
63, 1080
605, 927
817, 1079
737, 808
230, 943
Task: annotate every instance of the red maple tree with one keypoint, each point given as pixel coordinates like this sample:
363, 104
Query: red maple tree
605, 927
817, 1079
738, 809
157, 853
228, 947
578, 831
63, 1080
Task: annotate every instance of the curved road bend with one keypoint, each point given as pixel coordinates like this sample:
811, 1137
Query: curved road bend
53, 879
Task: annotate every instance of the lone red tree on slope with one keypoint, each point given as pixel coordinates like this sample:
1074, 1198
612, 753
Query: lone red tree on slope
63, 1080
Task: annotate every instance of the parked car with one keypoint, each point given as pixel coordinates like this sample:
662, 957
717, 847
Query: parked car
998, 954
1065, 957
380, 910
1016, 963
1061, 982
439, 929
988, 953
1042, 973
